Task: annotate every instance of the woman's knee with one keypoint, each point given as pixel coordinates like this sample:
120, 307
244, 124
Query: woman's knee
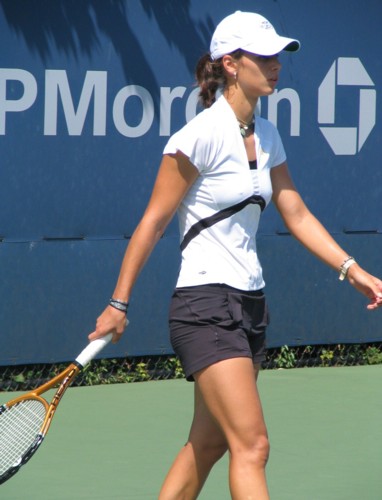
255, 451
262, 449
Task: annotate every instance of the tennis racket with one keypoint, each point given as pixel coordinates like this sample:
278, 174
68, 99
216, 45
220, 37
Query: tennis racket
25, 420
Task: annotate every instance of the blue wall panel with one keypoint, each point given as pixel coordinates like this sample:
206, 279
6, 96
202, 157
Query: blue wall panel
90, 92
308, 304
52, 292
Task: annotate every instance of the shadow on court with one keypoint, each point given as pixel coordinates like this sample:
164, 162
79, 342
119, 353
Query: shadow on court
117, 441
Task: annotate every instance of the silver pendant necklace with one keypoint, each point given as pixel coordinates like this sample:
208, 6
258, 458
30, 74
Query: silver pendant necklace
246, 128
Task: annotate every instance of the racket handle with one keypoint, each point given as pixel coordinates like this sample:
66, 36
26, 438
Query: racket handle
92, 349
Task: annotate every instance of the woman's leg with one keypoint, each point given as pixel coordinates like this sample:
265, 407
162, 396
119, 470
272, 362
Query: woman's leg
230, 393
205, 446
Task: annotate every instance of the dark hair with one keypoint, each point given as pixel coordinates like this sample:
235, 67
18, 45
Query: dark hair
210, 75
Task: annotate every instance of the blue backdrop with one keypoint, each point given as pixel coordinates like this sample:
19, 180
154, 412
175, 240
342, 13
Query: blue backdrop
90, 92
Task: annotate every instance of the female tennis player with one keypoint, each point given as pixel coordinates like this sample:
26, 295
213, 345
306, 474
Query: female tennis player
219, 172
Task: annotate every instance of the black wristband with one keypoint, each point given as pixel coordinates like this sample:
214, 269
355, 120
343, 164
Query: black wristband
119, 304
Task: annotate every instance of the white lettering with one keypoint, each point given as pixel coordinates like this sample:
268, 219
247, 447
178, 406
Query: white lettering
147, 111
56, 81
24, 102
167, 96
294, 100
95, 87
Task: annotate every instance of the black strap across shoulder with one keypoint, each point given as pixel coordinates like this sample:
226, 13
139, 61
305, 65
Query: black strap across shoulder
196, 228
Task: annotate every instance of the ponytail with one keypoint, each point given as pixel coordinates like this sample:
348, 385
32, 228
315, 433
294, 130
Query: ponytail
211, 76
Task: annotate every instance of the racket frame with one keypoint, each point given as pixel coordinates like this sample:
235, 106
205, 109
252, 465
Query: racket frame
64, 379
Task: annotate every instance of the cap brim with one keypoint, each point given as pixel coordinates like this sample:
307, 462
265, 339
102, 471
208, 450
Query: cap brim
273, 46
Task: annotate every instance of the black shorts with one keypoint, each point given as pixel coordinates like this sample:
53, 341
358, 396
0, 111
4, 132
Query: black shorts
209, 323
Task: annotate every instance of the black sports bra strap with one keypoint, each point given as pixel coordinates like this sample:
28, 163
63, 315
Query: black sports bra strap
223, 214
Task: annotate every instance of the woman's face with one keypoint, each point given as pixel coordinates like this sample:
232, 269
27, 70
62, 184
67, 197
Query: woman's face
258, 75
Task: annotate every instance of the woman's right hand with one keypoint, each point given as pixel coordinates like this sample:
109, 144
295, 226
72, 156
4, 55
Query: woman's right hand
111, 321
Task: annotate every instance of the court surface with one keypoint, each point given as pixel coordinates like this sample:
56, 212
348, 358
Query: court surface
117, 441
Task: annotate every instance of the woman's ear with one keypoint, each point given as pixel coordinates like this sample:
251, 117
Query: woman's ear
230, 66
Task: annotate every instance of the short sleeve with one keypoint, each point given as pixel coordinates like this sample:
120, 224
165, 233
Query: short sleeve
275, 145
279, 155
193, 140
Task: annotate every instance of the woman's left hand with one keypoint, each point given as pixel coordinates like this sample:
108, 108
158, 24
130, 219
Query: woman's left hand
367, 284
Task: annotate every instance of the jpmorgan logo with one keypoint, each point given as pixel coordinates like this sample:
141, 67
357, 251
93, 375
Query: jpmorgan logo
346, 89
346, 140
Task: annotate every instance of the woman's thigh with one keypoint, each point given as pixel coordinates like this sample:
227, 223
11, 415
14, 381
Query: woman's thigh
230, 393
206, 434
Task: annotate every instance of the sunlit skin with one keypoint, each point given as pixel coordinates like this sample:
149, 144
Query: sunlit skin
249, 78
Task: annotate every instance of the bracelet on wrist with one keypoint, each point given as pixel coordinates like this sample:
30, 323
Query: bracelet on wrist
119, 304
344, 268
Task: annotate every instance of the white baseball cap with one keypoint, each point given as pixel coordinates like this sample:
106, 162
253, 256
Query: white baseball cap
251, 32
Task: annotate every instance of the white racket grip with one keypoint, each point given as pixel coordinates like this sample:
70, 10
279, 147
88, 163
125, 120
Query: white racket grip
92, 349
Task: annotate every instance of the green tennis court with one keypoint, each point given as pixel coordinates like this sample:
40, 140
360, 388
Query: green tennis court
117, 441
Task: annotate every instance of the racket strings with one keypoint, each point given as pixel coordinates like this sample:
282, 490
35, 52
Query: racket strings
19, 427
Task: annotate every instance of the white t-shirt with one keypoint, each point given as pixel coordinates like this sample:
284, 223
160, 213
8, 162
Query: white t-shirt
225, 252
